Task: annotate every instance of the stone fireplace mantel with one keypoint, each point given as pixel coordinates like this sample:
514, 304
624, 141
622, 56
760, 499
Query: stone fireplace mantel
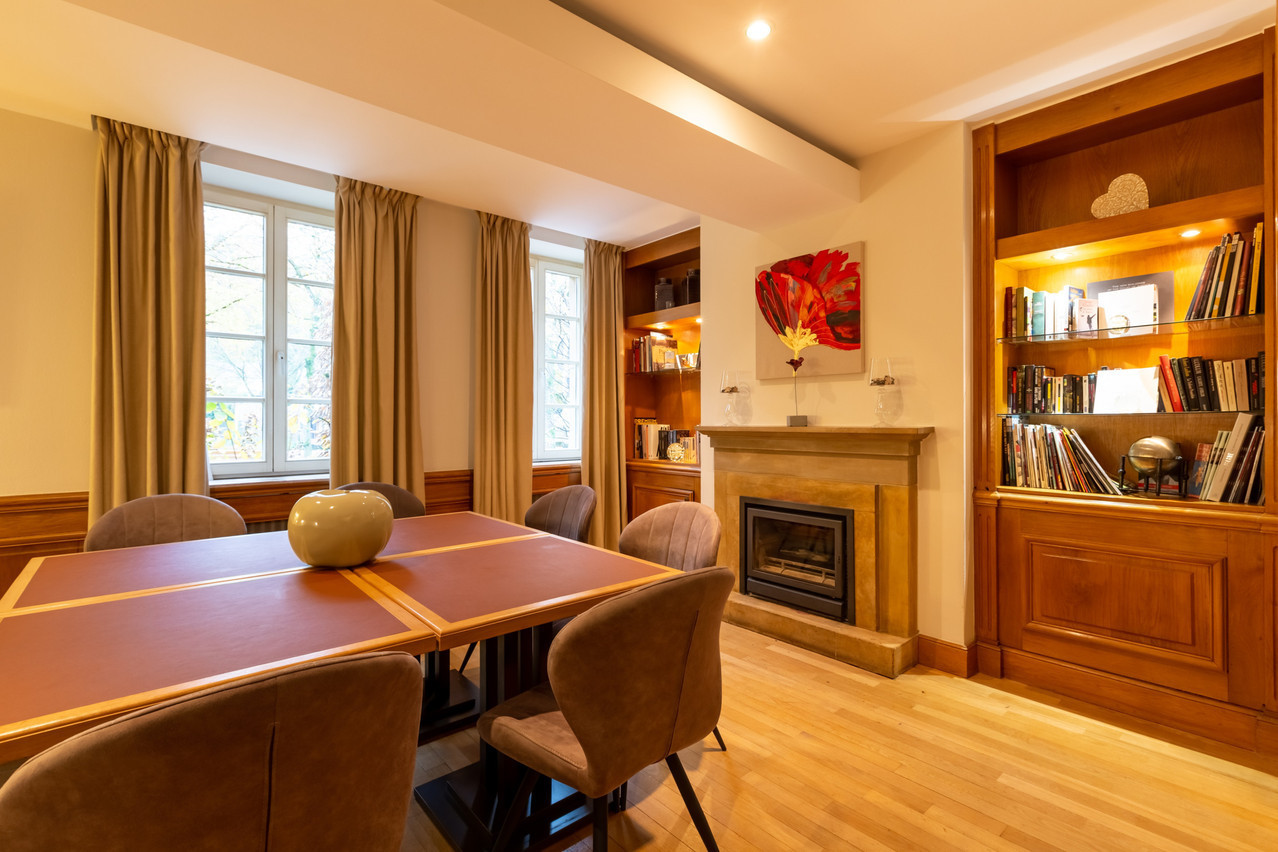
872, 470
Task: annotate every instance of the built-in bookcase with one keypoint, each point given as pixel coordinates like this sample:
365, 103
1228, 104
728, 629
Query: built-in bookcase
1122, 598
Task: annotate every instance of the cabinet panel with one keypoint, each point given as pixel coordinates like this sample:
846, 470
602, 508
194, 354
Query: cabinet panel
652, 485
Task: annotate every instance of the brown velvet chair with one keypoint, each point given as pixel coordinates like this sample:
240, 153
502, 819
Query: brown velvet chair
681, 535
565, 512
318, 756
678, 535
161, 518
404, 503
632, 681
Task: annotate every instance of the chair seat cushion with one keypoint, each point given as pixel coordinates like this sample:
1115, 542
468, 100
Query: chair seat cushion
531, 729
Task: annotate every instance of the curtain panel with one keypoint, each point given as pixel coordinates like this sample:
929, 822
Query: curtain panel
147, 408
603, 455
376, 406
503, 370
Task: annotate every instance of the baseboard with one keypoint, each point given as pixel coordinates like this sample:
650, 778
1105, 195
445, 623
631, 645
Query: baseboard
1215, 720
947, 657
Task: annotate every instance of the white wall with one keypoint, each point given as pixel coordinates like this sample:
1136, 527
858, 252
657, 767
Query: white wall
913, 218
46, 301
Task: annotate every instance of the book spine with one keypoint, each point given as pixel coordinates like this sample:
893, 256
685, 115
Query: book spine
1200, 383
1164, 366
1184, 384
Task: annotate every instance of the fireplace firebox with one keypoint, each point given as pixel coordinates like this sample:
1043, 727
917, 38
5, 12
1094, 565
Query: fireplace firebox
798, 554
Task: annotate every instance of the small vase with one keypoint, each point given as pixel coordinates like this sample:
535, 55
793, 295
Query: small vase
338, 529
887, 397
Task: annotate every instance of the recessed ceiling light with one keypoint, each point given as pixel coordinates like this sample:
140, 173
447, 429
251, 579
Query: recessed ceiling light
1192, 232
1062, 254
759, 30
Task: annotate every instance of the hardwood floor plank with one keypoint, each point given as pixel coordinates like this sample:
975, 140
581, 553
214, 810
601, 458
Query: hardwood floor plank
822, 756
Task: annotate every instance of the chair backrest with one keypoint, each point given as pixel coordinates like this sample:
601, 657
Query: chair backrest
163, 517
565, 511
404, 503
678, 535
638, 676
318, 756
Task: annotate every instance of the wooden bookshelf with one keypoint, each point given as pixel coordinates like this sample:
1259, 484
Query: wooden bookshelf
1161, 607
671, 396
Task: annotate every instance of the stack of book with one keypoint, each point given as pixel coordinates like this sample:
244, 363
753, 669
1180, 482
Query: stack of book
653, 353
1194, 383
1035, 389
653, 440
1231, 469
1047, 456
1037, 313
1231, 283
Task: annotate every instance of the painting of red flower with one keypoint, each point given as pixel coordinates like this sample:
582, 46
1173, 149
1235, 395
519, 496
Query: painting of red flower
813, 300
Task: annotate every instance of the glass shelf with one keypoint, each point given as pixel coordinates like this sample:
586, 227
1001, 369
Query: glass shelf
673, 372
1056, 414
1255, 321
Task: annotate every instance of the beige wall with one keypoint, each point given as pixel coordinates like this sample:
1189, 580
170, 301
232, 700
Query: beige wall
46, 311
913, 219
46, 303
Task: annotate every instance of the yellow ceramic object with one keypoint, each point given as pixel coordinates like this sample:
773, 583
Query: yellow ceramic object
338, 529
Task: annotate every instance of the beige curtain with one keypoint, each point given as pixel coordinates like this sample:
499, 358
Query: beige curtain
376, 412
148, 318
603, 459
503, 370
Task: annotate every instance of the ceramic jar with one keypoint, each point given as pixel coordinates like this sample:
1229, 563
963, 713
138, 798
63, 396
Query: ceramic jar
338, 529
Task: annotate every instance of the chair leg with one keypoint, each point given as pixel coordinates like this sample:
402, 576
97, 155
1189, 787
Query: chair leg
515, 814
601, 824
722, 746
690, 801
466, 658
619, 798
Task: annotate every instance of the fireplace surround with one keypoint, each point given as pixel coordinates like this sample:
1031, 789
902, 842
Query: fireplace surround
870, 471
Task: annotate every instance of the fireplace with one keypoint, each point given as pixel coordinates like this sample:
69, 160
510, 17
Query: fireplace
798, 554
869, 471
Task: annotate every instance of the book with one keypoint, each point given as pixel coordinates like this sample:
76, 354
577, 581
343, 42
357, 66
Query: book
1131, 391
1200, 382
1161, 306
1038, 313
1235, 443
1194, 485
1185, 384
1086, 318
1199, 299
1164, 363
1240, 487
1255, 304
1130, 310
1252, 368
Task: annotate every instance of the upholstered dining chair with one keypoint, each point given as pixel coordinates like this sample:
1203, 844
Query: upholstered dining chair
681, 535
163, 518
632, 681
317, 756
564, 512
404, 503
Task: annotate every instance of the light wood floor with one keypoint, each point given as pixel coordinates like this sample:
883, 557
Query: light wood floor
823, 756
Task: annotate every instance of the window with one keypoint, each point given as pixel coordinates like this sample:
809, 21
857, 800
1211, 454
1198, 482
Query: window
558, 317
268, 336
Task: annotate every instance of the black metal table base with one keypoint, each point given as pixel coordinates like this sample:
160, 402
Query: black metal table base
466, 804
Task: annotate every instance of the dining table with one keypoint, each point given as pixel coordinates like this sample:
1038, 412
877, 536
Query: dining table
87, 637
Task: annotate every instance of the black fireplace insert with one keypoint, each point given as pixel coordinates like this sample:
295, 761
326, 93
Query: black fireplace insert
798, 554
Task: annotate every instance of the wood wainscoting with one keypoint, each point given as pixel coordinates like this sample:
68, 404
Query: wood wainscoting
47, 524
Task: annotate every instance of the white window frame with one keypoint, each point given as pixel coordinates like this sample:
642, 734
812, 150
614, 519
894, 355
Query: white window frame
275, 387
539, 267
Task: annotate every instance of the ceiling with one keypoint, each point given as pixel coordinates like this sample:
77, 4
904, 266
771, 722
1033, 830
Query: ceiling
607, 119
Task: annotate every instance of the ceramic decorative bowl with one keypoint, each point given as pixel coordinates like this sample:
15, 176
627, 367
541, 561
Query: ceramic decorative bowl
338, 529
